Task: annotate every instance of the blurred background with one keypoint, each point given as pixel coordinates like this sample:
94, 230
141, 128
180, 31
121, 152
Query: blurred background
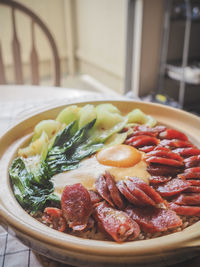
141, 48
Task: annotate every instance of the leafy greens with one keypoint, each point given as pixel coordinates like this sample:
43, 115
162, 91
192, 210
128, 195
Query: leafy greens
70, 147
30, 194
32, 186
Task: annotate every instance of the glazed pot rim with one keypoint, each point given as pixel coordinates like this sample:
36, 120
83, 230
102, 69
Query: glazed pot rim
40, 232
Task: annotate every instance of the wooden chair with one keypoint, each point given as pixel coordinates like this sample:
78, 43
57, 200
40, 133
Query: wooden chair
16, 49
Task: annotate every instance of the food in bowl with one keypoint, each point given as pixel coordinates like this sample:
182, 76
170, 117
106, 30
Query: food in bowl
98, 174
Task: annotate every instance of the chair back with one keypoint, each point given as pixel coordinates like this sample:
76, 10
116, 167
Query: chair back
16, 47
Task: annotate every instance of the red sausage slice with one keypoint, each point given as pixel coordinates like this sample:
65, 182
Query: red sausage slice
185, 210
172, 187
194, 182
165, 154
187, 152
127, 194
76, 206
147, 149
188, 199
153, 219
114, 192
193, 161
108, 190
173, 134
102, 189
191, 173
164, 161
147, 190
155, 130
54, 216
155, 180
162, 148
193, 189
175, 143
95, 197
139, 194
144, 132
116, 223
142, 140
163, 170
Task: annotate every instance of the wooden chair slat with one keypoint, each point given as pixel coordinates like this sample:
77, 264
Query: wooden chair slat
34, 60
2, 70
16, 53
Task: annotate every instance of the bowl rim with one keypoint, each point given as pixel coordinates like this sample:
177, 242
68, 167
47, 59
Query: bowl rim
95, 247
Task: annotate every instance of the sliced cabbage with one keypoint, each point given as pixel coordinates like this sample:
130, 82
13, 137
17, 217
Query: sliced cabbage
68, 114
116, 139
109, 121
151, 122
100, 135
107, 116
87, 114
138, 116
51, 128
37, 147
108, 107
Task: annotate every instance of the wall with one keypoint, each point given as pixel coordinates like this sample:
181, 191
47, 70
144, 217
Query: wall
100, 46
151, 40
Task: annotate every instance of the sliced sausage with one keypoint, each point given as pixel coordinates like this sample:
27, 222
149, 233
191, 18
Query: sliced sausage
116, 223
152, 219
172, 187
76, 206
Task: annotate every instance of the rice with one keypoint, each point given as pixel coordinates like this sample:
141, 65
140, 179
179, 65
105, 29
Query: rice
95, 234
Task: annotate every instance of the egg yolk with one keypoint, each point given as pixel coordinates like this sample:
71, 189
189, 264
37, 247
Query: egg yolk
119, 156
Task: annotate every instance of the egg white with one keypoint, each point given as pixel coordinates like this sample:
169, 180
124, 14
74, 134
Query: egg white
90, 169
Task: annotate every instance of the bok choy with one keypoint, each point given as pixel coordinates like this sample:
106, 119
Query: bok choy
32, 186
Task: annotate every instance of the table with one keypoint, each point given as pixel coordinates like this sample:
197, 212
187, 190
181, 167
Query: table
17, 100
15, 103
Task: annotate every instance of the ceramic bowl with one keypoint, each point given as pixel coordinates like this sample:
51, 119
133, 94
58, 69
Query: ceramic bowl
83, 252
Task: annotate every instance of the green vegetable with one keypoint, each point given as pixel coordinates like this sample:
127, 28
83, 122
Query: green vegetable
138, 116
50, 127
31, 195
87, 114
70, 147
99, 134
108, 116
115, 139
151, 122
31, 178
109, 121
37, 147
107, 107
68, 114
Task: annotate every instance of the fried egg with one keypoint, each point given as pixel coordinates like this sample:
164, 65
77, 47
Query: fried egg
121, 161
